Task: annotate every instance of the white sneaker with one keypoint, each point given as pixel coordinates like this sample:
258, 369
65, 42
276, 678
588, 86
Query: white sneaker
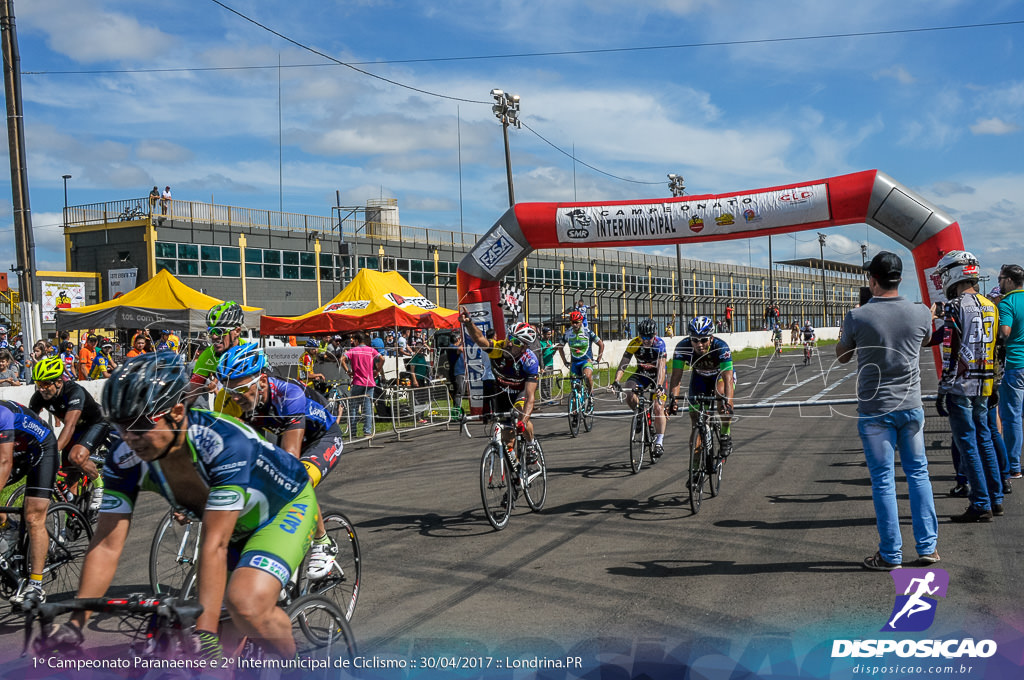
23, 591
96, 499
321, 559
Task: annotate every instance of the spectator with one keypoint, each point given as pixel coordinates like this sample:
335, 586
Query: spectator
968, 374
104, 364
419, 364
165, 203
583, 308
67, 355
402, 343
9, 373
86, 355
794, 333
547, 361
168, 340
457, 370
138, 346
390, 347
378, 344
154, 196
728, 318
362, 363
4, 342
888, 334
1011, 391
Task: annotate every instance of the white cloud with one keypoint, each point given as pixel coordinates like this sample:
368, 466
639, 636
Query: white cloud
993, 126
898, 73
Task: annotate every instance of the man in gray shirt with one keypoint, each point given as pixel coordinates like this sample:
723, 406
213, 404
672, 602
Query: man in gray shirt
888, 333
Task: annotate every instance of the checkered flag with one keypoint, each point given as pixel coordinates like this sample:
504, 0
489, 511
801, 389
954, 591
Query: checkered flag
512, 301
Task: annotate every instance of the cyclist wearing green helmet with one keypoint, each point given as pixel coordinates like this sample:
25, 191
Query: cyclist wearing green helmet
224, 326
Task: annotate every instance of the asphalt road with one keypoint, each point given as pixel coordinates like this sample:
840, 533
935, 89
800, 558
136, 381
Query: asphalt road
617, 568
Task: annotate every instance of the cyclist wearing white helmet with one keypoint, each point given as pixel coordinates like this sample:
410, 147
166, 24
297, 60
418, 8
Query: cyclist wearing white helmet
516, 369
651, 359
711, 374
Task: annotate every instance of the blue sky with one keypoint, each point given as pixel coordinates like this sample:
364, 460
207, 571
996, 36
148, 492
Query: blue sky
941, 111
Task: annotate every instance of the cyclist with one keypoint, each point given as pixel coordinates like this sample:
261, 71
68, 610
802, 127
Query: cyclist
28, 447
224, 326
777, 338
84, 428
581, 341
300, 419
256, 501
711, 375
516, 369
808, 336
651, 357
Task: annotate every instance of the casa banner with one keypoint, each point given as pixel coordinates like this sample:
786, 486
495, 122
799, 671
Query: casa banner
733, 214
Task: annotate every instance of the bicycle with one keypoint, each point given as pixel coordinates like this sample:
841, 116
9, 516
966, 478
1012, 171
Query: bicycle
706, 461
641, 430
131, 212
778, 345
70, 486
69, 534
808, 344
501, 475
174, 554
580, 407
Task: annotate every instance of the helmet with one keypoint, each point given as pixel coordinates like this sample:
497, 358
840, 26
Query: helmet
3, 330
523, 332
955, 267
144, 385
241, 361
67, 345
166, 332
575, 316
48, 368
225, 315
107, 343
312, 343
701, 326
647, 328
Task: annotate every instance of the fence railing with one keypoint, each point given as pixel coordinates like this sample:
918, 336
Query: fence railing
393, 412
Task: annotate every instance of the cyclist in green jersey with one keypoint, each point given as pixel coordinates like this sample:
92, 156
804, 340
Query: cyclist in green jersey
580, 341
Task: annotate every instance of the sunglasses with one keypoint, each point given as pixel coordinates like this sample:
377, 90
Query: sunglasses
700, 339
45, 383
646, 337
516, 342
217, 333
244, 388
140, 424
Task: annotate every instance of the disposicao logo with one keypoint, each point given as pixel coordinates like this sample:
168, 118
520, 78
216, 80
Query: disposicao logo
917, 593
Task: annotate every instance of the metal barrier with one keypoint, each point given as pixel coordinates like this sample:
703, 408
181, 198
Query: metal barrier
393, 411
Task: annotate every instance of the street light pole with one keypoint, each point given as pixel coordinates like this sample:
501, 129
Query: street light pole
66, 178
506, 108
824, 290
677, 186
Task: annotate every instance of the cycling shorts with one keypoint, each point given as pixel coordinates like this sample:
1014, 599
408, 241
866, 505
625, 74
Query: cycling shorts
279, 547
577, 366
40, 478
321, 455
92, 437
507, 401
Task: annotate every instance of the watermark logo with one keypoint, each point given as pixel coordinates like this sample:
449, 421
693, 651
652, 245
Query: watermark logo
917, 591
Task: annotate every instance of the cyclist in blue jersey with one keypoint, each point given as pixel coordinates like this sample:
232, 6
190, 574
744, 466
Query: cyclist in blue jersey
300, 419
580, 341
516, 369
256, 501
711, 375
651, 357
28, 447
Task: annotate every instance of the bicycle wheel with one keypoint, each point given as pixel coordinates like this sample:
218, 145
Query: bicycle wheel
173, 552
712, 462
535, 481
70, 533
716, 469
637, 440
588, 412
341, 585
320, 629
13, 495
496, 489
696, 471
574, 412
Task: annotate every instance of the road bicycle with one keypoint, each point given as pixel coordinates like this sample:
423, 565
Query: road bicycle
506, 469
706, 461
70, 486
580, 408
131, 212
68, 532
641, 430
778, 345
174, 555
808, 344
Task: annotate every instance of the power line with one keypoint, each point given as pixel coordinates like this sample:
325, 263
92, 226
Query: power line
566, 153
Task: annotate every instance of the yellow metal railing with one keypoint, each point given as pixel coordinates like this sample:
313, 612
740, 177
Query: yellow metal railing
10, 308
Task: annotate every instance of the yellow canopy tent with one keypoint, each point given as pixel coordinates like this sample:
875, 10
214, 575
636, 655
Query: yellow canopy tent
163, 301
372, 300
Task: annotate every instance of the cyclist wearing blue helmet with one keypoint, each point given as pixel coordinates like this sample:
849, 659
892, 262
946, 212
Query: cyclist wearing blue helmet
711, 374
299, 418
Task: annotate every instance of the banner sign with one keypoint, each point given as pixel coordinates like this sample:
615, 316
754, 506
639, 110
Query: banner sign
497, 250
121, 281
679, 220
61, 295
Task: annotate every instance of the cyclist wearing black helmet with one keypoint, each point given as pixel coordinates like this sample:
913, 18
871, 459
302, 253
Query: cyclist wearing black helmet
224, 326
256, 501
651, 357
711, 374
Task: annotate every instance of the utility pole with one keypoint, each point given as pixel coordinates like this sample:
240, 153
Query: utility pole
24, 243
824, 289
677, 185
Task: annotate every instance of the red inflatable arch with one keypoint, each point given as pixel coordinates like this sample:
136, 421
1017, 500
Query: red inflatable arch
870, 197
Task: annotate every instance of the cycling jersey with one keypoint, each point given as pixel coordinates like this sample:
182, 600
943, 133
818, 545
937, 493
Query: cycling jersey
100, 365
291, 407
35, 448
72, 397
513, 374
206, 363
580, 343
69, 366
706, 367
647, 357
808, 333
242, 470
968, 346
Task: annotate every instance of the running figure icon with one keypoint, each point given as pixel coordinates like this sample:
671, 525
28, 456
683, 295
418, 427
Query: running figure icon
916, 604
917, 593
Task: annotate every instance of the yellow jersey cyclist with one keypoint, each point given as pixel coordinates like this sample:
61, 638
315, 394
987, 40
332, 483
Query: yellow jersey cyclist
256, 501
84, 429
28, 449
581, 340
516, 369
301, 421
651, 360
711, 374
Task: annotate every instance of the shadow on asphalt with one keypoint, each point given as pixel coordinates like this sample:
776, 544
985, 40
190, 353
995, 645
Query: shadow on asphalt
681, 568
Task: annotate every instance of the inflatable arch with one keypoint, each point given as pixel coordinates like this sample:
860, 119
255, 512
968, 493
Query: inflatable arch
870, 197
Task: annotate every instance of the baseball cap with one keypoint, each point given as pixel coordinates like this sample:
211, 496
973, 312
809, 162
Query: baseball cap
995, 292
886, 267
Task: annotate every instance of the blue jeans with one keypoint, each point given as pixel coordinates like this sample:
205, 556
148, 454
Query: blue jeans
998, 442
1011, 400
366, 406
968, 419
881, 435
